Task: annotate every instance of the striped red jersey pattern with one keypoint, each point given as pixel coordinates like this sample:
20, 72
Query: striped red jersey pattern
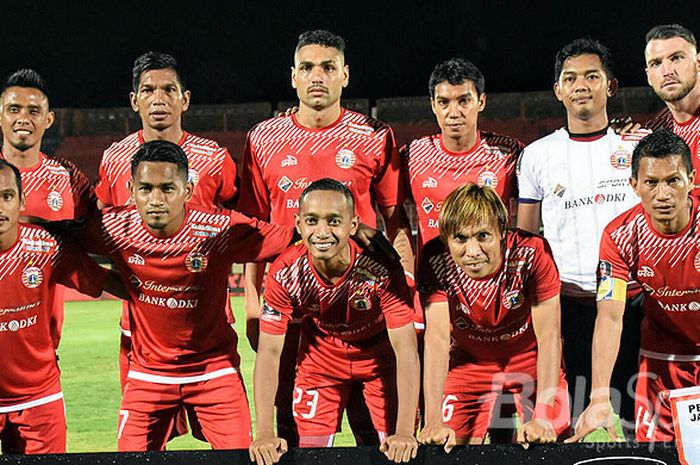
372, 295
211, 169
690, 132
668, 269
491, 317
434, 172
282, 158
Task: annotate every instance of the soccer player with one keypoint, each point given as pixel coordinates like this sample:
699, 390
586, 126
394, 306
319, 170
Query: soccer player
32, 262
576, 181
54, 189
491, 300
284, 155
357, 326
438, 164
656, 244
672, 67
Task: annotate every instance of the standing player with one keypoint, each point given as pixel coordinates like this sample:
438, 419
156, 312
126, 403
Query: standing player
32, 262
54, 189
491, 299
284, 155
576, 181
438, 164
176, 259
656, 244
357, 327
672, 67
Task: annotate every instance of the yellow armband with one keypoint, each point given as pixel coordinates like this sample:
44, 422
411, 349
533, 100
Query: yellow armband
610, 288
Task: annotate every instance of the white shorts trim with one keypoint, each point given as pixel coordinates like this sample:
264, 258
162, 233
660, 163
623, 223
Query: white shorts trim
125, 332
32, 403
158, 379
418, 325
669, 357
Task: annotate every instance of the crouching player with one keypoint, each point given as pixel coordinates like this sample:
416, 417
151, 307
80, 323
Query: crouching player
32, 262
494, 292
357, 327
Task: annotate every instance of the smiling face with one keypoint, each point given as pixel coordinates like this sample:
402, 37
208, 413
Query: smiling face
326, 221
457, 108
319, 76
672, 67
583, 87
477, 249
160, 191
25, 117
160, 99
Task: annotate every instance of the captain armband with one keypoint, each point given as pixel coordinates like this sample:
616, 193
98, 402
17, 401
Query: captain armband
610, 288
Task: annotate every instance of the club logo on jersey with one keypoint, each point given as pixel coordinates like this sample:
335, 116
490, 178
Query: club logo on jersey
621, 159
54, 201
488, 179
196, 262
270, 314
32, 277
360, 302
192, 176
430, 183
345, 158
645, 272
513, 299
289, 161
427, 205
559, 191
136, 259
696, 262
285, 184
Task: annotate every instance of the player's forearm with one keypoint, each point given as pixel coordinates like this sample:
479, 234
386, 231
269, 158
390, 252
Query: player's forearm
529, 217
408, 385
398, 230
548, 366
265, 379
252, 283
436, 359
606, 344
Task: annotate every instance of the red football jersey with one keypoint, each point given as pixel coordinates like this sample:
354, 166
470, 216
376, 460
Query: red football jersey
434, 172
491, 317
178, 285
372, 295
29, 271
668, 269
690, 132
282, 158
211, 169
56, 190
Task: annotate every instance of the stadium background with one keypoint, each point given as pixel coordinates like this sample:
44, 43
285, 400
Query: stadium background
236, 57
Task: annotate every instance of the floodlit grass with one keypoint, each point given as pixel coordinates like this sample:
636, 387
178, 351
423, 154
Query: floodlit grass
89, 355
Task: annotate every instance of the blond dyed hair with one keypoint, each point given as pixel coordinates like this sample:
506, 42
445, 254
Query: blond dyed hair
471, 205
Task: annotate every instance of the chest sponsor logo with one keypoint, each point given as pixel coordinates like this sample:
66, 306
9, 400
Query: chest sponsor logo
360, 302
285, 184
559, 191
37, 245
496, 152
430, 183
597, 199
292, 203
58, 170
488, 179
193, 176
168, 302
666, 291
204, 230
621, 159
646, 272
16, 325
136, 259
291, 160
513, 299
680, 307
196, 262
32, 277
345, 158
54, 200
427, 205
608, 183
7, 311
360, 129
433, 223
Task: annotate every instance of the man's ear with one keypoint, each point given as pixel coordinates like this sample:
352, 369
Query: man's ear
612, 87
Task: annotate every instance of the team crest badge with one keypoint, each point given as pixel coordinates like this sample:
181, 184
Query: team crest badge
196, 262
345, 158
621, 159
32, 277
360, 302
512, 299
192, 176
488, 179
54, 201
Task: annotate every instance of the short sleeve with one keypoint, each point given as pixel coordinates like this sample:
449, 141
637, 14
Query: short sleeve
78, 271
83, 193
254, 198
227, 185
389, 187
428, 285
546, 276
253, 240
276, 309
529, 186
102, 189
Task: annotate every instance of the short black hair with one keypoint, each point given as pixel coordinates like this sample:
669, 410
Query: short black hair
26, 78
321, 37
161, 151
584, 46
155, 60
18, 176
328, 184
661, 143
669, 31
455, 71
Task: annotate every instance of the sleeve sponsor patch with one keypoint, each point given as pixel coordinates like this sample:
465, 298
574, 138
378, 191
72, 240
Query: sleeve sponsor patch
604, 269
270, 314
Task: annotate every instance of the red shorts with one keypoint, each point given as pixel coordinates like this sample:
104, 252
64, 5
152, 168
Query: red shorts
326, 370
35, 430
217, 410
472, 389
653, 420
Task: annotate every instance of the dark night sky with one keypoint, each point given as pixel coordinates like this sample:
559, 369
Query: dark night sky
241, 51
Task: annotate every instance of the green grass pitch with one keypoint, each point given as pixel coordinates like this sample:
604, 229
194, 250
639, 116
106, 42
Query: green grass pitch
90, 377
